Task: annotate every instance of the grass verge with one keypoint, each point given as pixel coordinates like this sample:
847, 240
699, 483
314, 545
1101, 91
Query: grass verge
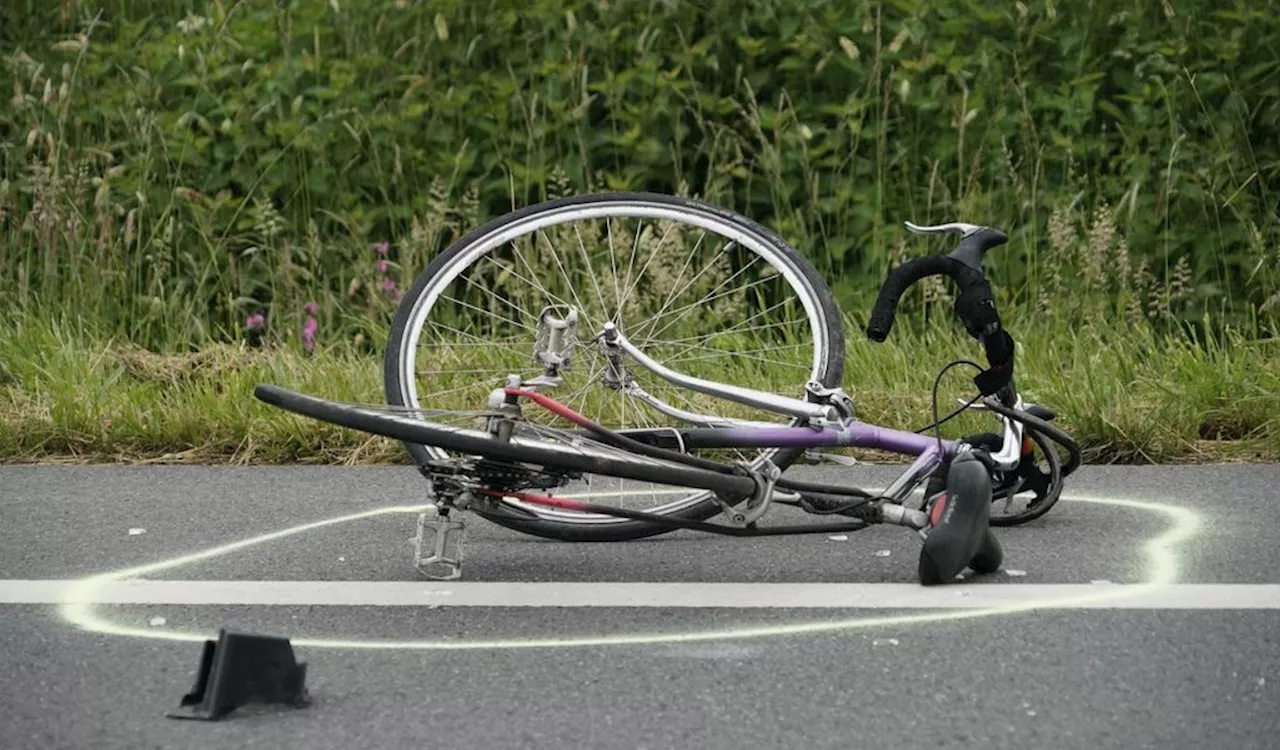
1128, 395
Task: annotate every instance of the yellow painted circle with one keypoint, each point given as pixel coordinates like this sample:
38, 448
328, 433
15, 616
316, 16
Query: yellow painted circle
78, 610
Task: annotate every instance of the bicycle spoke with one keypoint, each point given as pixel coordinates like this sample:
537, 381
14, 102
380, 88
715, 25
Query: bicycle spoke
679, 277
516, 249
595, 282
645, 267
582, 309
499, 317
708, 299
479, 341
630, 264
613, 261
471, 282
734, 329
699, 275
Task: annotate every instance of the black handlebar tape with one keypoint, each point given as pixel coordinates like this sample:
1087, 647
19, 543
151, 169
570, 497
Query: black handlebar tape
897, 282
976, 308
976, 304
972, 248
998, 377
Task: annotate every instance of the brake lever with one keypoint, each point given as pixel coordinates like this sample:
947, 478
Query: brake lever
964, 229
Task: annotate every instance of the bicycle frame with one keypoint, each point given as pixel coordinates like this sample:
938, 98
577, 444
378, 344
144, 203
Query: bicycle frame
829, 428
851, 433
498, 469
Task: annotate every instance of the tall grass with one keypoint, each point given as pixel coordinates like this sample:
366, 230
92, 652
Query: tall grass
239, 181
1127, 395
171, 169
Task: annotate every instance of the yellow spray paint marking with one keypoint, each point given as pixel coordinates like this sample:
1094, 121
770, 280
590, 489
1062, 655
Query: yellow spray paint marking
1160, 552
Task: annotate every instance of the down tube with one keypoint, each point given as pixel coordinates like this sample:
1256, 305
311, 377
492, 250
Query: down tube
853, 435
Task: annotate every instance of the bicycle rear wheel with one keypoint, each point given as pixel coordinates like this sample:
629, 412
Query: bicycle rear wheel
703, 290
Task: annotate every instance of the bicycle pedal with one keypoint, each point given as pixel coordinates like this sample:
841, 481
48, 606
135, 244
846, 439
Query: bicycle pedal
437, 548
556, 338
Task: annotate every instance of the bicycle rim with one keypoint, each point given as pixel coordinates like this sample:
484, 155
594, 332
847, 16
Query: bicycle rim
659, 268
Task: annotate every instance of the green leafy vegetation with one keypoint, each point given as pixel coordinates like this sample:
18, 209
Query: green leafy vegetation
1132, 396
179, 181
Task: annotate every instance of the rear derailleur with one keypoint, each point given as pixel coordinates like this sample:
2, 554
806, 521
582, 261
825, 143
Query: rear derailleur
442, 525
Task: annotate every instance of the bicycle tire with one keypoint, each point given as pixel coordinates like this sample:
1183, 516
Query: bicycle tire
464, 441
1055, 481
999, 492
830, 368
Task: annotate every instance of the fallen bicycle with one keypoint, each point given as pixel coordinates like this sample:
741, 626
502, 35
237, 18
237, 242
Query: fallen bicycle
585, 308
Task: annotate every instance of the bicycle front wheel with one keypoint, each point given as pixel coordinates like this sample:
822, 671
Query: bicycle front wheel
702, 290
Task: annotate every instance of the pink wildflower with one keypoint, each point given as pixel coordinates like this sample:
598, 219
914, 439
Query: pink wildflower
311, 308
255, 321
388, 286
309, 335
382, 266
382, 248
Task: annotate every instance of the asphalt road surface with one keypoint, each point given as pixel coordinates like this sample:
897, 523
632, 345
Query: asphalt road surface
1142, 612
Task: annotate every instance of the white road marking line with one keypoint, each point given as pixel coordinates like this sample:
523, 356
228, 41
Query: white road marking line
686, 595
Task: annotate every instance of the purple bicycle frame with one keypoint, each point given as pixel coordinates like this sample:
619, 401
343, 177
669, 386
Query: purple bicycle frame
853, 434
